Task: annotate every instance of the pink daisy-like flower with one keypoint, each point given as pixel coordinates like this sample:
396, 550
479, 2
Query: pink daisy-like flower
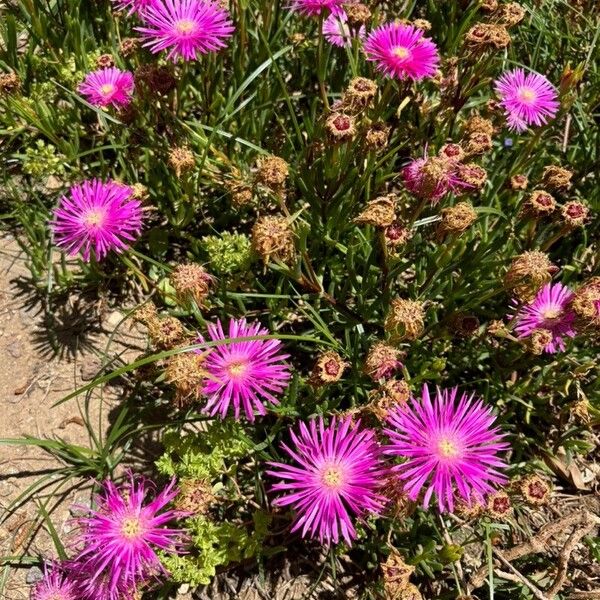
313, 8
55, 586
550, 311
449, 447
433, 177
337, 31
336, 475
117, 542
132, 6
186, 28
243, 374
402, 51
98, 217
527, 99
108, 86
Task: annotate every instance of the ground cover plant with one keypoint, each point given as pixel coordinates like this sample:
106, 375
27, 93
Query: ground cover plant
362, 242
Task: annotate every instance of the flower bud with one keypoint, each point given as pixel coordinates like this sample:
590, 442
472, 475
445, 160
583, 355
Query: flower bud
272, 236
405, 320
380, 212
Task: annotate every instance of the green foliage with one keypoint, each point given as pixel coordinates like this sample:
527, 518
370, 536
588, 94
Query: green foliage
228, 253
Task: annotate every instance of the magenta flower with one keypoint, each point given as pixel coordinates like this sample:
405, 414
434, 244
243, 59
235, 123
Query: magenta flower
117, 542
448, 447
527, 99
243, 374
337, 31
550, 311
313, 8
55, 586
402, 51
132, 6
107, 86
185, 28
98, 217
336, 475
432, 178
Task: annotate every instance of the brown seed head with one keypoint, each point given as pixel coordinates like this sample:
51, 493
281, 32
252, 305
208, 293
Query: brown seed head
489, 6
538, 340
181, 159
359, 93
527, 273
392, 393
463, 325
191, 282
477, 143
535, 490
376, 136
358, 14
556, 178
456, 219
129, 46
9, 83
273, 172
105, 61
139, 191
382, 361
396, 574
195, 496
498, 505
586, 303
518, 182
241, 193
396, 236
539, 204
487, 36
452, 152
472, 174
186, 372
272, 237
328, 368
511, 14
477, 124
422, 24
575, 213
380, 212
405, 320
340, 127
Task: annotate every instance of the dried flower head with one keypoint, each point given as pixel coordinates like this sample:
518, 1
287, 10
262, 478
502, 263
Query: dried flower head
422, 24
402, 51
396, 574
9, 83
456, 219
186, 372
478, 124
487, 36
128, 46
538, 204
527, 99
472, 176
272, 172
432, 177
527, 273
586, 302
498, 505
195, 497
377, 136
488, 6
550, 311
390, 394
340, 127
410, 592
241, 193
382, 361
181, 160
519, 182
104, 61
191, 282
574, 213
359, 93
158, 79
452, 152
396, 236
328, 368
535, 490
537, 342
405, 320
511, 14
272, 237
463, 324
477, 143
358, 14
556, 178
166, 332
470, 509
336, 475
380, 212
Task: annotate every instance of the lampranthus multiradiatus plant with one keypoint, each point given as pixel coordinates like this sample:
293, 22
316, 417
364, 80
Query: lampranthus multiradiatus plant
361, 241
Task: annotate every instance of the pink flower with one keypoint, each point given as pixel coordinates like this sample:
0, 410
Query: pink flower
55, 586
527, 99
337, 31
243, 374
448, 447
433, 177
336, 475
550, 311
117, 542
185, 28
98, 217
132, 6
402, 51
108, 86
312, 8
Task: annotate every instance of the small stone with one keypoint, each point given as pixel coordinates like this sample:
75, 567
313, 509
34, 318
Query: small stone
90, 369
15, 349
34, 575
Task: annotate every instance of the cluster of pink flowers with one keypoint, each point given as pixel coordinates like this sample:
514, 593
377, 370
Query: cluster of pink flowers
115, 546
449, 448
549, 311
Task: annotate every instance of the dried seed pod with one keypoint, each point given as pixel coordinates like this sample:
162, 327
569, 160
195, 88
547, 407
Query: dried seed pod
392, 393
186, 372
456, 219
340, 127
511, 14
191, 283
382, 361
273, 173
380, 212
473, 175
9, 83
557, 178
574, 213
487, 36
535, 490
396, 574
181, 160
166, 332
405, 319
498, 505
358, 14
396, 236
452, 152
527, 273
128, 46
195, 496
518, 182
538, 340
377, 136
586, 303
477, 143
463, 325
359, 93
539, 204
272, 237
328, 368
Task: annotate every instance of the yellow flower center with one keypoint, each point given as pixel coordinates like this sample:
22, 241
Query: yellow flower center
551, 313
131, 528
447, 448
401, 52
332, 477
107, 89
94, 218
527, 95
185, 26
237, 369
